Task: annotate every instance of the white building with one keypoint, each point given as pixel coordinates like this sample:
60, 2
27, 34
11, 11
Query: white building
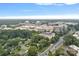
27, 22
3, 26
43, 27
59, 28
71, 23
76, 34
75, 48
48, 34
68, 23
38, 23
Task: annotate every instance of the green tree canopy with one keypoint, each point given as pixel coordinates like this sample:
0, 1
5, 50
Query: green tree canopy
32, 51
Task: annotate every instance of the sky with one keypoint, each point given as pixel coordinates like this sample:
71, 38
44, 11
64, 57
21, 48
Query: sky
38, 9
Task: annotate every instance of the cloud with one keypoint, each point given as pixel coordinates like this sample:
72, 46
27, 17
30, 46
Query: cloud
57, 2
27, 10
44, 3
42, 17
44, 10
41, 1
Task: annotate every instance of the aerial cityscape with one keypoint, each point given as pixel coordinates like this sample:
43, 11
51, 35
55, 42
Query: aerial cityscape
29, 29
40, 38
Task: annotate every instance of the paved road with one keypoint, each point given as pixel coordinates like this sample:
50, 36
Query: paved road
55, 46
52, 47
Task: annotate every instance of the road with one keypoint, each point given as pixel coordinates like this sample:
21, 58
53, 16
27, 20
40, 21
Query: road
52, 47
55, 46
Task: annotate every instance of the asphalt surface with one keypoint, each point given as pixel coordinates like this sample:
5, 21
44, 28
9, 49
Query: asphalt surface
55, 46
52, 47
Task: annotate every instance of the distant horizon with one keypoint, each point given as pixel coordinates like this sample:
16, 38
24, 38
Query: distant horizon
42, 17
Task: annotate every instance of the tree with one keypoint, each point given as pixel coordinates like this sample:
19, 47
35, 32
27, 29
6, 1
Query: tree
77, 27
9, 34
32, 51
43, 43
50, 53
69, 40
60, 51
2, 51
37, 38
13, 42
55, 39
15, 51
